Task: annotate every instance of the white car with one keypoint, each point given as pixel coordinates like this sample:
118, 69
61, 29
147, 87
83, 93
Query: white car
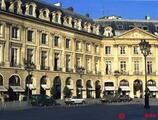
74, 100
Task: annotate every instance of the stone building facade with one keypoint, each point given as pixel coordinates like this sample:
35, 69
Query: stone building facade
69, 51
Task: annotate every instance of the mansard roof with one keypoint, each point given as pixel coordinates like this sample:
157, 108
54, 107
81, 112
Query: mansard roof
124, 25
65, 12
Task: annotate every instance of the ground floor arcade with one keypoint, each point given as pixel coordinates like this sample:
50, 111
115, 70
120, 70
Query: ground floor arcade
15, 84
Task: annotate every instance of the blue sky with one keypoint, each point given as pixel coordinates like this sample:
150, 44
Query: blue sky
128, 9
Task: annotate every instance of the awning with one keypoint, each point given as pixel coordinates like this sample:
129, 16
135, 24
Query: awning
91, 89
108, 81
31, 86
81, 88
69, 86
44, 86
17, 89
152, 88
3, 89
125, 88
109, 88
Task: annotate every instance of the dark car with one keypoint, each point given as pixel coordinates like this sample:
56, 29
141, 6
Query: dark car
42, 100
107, 99
125, 98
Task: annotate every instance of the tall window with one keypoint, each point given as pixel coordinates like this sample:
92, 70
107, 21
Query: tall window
136, 67
15, 32
56, 41
43, 58
123, 66
1, 80
96, 49
1, 29
107, 49
1, 54
30, 10
122, 50
30, 35
44, 38
67, 62
56, 61
97, 66
78, 46
88, 47
78, 62
135, 49
67, 43
30, 55
88, 64
108, 67
14, 57
149, 67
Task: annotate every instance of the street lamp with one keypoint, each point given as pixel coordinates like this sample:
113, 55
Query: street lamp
145, 50
117, 74
29, 66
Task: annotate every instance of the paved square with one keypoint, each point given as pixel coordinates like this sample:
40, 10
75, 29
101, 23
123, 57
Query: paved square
88, 112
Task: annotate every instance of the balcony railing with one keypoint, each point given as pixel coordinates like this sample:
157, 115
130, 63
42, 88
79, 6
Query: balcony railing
89, 72
124, 73
69, 70
15, 65
97, 72
151, 73
2, 64
57, 69
137, 73
45, 67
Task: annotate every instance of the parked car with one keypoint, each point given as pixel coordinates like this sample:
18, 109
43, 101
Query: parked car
74, 100
107, 99
42, 100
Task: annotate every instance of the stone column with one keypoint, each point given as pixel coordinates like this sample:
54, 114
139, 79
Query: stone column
7, 45
156, 59
62, 57
38, 52
131, 88
130, 60
116, 61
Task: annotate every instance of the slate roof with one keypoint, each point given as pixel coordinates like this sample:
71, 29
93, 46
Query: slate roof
124, 25
65, 12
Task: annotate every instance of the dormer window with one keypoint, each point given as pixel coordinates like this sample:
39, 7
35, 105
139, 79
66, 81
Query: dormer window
108, 32
31, 10
120, 27
44, 13
145, 28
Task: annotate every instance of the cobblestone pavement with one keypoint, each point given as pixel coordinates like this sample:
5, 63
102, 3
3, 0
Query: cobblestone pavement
83, 112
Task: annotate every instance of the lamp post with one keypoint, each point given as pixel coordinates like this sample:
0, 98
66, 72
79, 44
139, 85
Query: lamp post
117, 74
29, 66
145, 50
